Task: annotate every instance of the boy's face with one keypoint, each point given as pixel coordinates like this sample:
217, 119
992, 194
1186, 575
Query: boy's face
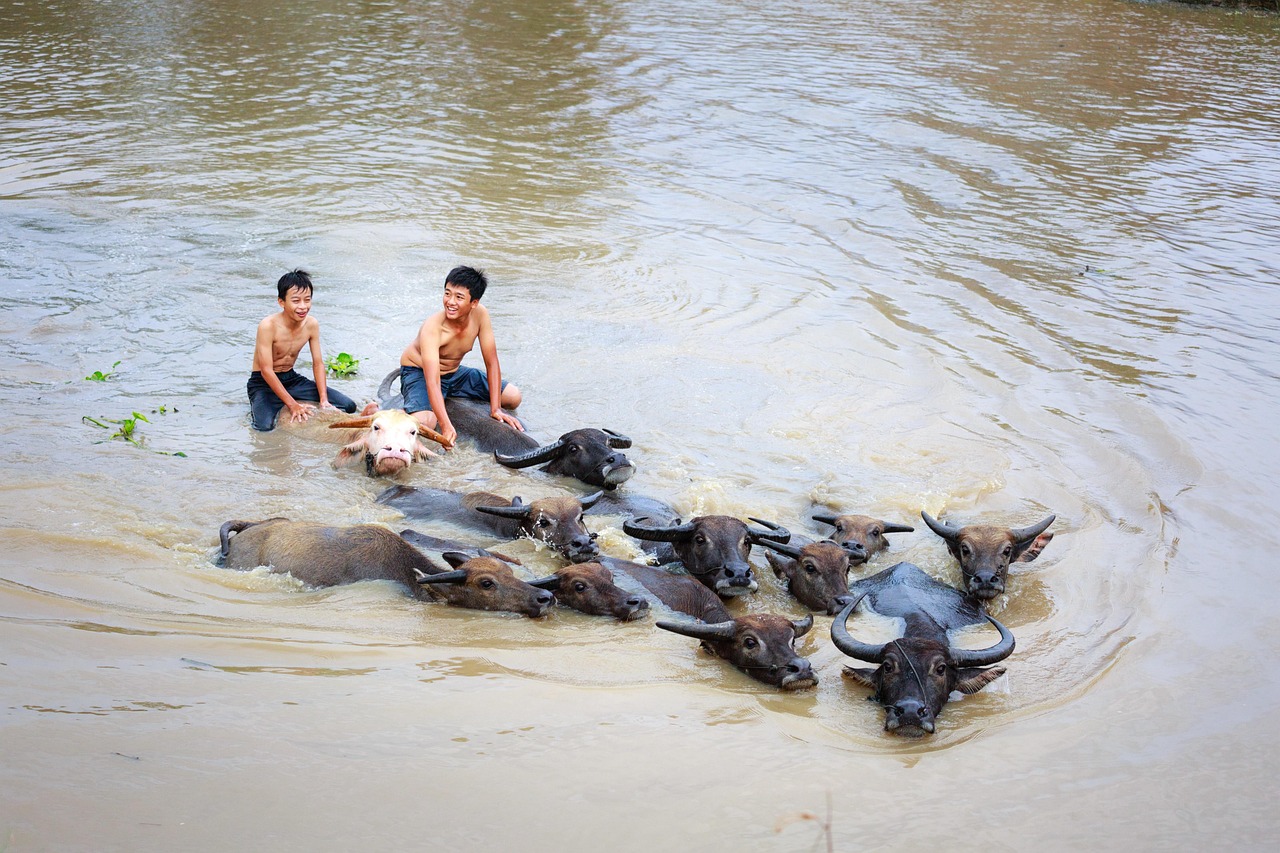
296, 303
457, 301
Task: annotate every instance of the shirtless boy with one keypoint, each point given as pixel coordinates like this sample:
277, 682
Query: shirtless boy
274, 384
431, 366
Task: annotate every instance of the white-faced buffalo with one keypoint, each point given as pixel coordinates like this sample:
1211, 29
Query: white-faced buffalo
387, 441
557, 521
986, 550
712, 548
916, 674
817, 574
862, 535
331, 556
761, 645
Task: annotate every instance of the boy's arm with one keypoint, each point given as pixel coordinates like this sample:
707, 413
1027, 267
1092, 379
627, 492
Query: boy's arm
429, 350
489, 350
317, 364
264, 364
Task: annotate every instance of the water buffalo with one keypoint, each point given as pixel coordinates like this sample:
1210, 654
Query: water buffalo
712, 548
817, 574
557, 521
678, 592
762, 645
332, 556
916, 674
387, 442
863, 535
986, 550
589, 455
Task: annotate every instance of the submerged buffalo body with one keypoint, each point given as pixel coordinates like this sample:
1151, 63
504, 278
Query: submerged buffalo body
331, 556
986, 550
715, 549
915, 674
556, 521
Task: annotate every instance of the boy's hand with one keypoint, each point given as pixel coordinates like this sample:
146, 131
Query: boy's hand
509, 420
449, 433
325, 404
299, 412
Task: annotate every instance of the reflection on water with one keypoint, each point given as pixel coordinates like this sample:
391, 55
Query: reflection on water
990, 263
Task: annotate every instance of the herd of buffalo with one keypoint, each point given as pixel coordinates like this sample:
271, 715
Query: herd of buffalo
701, 564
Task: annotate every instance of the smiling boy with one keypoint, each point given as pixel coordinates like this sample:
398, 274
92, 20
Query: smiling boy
431, 366
273, 383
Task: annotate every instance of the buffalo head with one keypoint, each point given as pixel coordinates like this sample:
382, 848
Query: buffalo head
762, 645
555, 521
589, 588
589, 455
817, 574
486, 583
916, 675
713, 548
862, 535
986, 550
388, 442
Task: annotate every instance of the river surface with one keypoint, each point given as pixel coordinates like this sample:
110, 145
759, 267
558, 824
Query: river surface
992, 261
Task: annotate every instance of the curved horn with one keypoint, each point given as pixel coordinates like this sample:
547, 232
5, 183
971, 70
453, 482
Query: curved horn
790, 550
445, 577
590, 500
551, 582
532, 457
946, 531
890, 527
384, 389
802, 626
700, 630
1025, 534
775, 533
983, 657
847, 644
825, 517
455, 558
616, 440
517, 511
354, 423
678, 533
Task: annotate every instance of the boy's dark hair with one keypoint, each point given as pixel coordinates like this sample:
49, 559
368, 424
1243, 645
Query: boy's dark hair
300, 279
470, 278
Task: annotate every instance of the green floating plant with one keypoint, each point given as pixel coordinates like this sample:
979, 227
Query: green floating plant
342, 365
103, 375
127, 429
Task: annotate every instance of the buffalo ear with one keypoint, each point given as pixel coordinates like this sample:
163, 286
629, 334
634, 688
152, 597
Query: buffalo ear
455, 558
421, 452
1034, 549
779, 565
865, 677
354, 449
973, 680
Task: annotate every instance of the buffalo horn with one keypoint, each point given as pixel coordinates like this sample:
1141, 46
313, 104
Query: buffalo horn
517, 511
983, 657
551, 582
354, 423
847, 644
678, 533
531, 457
1026, 534
890, 527
700, 630
946, 531
616, 440
775, 533
444, 577
802, 626
790, 550
455, 558
590, 500
824, 517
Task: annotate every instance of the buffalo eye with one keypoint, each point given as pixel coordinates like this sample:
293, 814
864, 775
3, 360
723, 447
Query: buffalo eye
486, 584
875, 532
1006, 551
891, 666
965, 550
811, 568
839, 527
700, 539
750, 643
573, 448
377, 427
580, 587
542, 522
940, 669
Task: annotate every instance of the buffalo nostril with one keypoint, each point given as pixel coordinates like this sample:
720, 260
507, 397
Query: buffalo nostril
635, 601
794, 668
922, 712
545, 597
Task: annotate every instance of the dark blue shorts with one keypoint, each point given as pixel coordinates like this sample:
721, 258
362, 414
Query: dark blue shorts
466, 382
264, 405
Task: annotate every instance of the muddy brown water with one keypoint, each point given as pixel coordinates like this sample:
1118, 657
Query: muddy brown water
989, 261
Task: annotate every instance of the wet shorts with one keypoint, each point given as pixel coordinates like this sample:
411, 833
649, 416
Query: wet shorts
264, 405
466, 382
